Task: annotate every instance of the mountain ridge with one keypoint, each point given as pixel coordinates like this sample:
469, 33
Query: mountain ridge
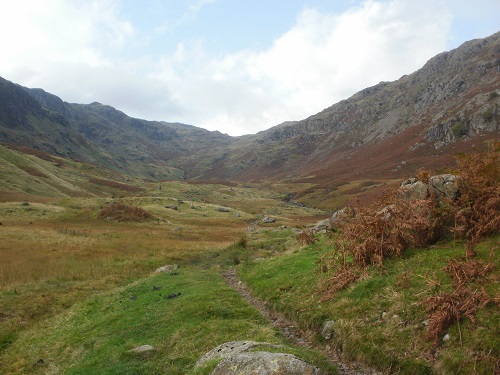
418, 120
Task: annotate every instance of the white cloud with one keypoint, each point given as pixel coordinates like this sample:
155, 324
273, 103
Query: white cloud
77, 51
323, 59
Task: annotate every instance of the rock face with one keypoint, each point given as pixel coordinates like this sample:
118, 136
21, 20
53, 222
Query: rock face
240, 357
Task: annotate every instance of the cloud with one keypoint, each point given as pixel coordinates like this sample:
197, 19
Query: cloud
84, 52
323, 59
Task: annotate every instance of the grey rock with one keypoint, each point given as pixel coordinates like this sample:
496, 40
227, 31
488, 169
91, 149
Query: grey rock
328, 332
264, 363
223, 209
339, 216
444, 186
268, 220
414, 189
322, 226
228, 349
240, 357
169, 268
441, 187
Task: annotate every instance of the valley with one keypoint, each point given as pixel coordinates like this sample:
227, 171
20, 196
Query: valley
116, 232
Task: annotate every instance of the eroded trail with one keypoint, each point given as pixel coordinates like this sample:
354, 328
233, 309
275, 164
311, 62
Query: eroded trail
291, 330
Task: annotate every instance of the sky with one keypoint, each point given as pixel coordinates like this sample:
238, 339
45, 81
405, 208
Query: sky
236, 66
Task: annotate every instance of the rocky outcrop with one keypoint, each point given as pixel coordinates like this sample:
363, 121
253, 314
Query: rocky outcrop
250, 357
440, 187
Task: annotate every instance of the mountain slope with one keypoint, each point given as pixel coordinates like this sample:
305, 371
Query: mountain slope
454, 97
382, 132
98, 133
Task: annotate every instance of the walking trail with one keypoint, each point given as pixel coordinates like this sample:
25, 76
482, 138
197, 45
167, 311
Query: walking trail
291, 330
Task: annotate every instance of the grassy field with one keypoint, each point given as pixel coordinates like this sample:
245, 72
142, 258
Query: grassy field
67, 274
380, 320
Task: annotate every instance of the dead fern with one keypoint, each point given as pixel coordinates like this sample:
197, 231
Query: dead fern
306, 237
464, 272
447, 308
122, 212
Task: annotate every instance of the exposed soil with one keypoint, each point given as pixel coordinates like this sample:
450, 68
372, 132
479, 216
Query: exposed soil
291, 330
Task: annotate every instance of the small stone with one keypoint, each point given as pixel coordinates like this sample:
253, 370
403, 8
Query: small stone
446, 337
169, 268
268, 220
142, 349
328, 332
384, 314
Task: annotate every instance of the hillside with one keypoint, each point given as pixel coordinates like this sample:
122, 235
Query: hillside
384, 132
98, 134
387, 130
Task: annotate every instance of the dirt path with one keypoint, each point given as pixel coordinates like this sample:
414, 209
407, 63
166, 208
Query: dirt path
290, 329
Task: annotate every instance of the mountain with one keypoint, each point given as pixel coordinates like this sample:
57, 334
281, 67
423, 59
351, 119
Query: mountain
98, 134
450, 105
393, 127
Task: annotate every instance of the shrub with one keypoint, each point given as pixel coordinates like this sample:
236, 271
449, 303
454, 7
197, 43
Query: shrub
459, 129
479, 202
122, 212
306, 237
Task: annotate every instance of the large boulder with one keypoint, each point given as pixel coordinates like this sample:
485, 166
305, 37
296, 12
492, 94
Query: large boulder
264, 363
441, 187
322, 226
250, 357
444, 186
414, 189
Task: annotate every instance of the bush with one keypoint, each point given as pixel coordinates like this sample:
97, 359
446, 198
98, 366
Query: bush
393, 224
122, 212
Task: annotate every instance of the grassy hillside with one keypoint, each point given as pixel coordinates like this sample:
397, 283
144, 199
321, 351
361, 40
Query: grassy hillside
381, 320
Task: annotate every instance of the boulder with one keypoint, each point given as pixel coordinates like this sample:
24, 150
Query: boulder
444, 186
264, 363
241, 357
223, 209
441, 187
322, 226
414, 189
339, 216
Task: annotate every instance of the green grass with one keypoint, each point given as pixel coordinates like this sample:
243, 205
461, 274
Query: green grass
380, 320
95, 336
